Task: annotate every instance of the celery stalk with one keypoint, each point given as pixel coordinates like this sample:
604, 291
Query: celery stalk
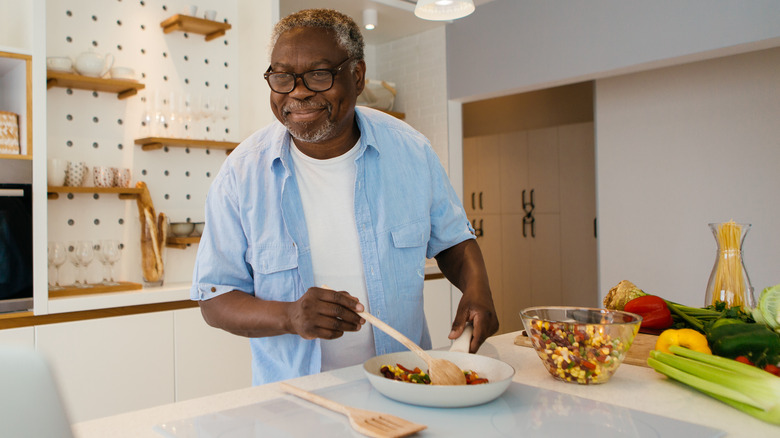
702, 384
749, 389
720, 362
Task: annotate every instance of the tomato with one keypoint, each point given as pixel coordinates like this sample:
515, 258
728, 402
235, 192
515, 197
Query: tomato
772, 369
743, 359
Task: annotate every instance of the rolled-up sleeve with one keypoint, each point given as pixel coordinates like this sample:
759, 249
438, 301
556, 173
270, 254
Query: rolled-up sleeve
449, 223
221, 265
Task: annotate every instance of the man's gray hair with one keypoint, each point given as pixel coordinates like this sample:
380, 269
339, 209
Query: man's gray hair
346, 31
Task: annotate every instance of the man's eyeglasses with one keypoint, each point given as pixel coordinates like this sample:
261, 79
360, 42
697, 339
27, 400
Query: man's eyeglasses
317, 80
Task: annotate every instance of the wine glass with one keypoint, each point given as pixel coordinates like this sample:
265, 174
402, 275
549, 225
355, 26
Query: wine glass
57, 255
189, 114
223, 111
83, 253
209, 115
110, 253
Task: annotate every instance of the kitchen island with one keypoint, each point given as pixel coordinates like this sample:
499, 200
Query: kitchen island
635, 387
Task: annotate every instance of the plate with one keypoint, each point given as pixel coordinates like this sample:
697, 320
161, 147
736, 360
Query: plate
498, 373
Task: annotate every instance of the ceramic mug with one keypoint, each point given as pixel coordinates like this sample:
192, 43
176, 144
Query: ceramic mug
56, 170
210, 14
103, 176
121, 177
191, 10
75, 174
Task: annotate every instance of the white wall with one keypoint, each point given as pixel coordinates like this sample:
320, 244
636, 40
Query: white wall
255, 22
678, 148
417, 66
508, 46
535, 44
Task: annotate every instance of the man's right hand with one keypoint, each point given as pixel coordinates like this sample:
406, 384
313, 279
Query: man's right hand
324, 313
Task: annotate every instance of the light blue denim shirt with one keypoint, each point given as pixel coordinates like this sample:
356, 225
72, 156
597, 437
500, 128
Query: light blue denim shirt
256, 240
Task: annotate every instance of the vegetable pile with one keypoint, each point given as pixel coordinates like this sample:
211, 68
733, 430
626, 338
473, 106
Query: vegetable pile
403, 374
742, 386
729, 353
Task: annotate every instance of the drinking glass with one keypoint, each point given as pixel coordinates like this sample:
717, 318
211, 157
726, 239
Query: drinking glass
189, 114
57, 255
83, 254
223, 111
208, 115
110, 252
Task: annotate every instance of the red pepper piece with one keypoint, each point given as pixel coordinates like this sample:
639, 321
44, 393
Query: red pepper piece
744, 360
653, 310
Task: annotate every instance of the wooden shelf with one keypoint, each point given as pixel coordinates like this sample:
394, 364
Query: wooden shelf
395, 114
185, 23
123, 87
181, 242
123, 286
123, 192
15, 157
152, 143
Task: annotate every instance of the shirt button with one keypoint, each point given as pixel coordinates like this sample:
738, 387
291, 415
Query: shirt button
213, 289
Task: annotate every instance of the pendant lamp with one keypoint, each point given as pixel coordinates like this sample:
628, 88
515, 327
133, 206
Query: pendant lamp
443, 10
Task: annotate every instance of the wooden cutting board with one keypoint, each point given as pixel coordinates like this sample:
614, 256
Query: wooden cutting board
637, 354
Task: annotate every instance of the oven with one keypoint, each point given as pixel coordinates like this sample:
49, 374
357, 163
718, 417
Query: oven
16, 243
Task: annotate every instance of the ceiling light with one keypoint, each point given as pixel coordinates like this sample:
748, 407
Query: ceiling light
369, 19
443, 10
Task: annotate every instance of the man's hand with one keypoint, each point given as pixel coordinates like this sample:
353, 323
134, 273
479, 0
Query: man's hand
476, 307
324, 313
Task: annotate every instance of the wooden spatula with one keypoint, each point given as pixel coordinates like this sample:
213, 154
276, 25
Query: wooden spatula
373, 424
441, 371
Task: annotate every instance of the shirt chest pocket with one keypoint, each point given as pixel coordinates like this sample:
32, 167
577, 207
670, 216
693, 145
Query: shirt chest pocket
276, 272
410, 243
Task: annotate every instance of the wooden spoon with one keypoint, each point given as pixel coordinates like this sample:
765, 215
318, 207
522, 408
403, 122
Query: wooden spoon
441, 371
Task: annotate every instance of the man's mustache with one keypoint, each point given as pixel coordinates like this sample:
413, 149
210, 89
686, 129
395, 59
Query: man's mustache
303, 105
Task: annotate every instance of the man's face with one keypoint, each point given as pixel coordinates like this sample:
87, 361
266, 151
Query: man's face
315, 117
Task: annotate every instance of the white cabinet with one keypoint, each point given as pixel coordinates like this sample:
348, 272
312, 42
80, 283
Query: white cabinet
113, 365
208, 360
539, 246
438, 311
23, 336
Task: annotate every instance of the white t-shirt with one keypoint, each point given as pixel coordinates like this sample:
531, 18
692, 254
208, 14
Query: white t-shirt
327, 190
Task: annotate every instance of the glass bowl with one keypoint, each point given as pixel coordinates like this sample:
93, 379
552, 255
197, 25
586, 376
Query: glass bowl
579, 344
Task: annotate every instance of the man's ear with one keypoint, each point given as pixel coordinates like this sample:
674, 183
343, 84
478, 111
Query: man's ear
360, 76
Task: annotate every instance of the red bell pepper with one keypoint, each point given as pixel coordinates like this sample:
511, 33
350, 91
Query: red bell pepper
653, 310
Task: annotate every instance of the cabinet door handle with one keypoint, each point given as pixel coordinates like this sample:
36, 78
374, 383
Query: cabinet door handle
473, 206
480, 200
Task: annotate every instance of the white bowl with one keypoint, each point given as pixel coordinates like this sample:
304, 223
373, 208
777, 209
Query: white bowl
181, 229
126, 73
498, 373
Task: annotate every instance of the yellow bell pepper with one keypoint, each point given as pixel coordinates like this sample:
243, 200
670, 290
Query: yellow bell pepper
687, 338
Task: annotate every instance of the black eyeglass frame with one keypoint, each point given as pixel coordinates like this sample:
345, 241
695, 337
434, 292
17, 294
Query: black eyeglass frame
333, 72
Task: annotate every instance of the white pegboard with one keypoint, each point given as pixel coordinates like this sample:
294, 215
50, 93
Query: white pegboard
99, 129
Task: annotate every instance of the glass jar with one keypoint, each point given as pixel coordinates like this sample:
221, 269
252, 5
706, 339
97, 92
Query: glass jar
729, 282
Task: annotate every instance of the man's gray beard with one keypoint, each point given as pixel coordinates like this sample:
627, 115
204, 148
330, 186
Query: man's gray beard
316, 136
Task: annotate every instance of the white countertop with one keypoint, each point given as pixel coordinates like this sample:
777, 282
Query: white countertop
636, 387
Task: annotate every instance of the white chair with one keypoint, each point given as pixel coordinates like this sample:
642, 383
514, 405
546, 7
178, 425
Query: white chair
30, 402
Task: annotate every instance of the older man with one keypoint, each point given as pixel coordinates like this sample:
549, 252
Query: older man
331, 195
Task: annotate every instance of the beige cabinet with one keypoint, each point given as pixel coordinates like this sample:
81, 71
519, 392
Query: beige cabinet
18, 337
437, 307
113, 365
539, 246
208, 360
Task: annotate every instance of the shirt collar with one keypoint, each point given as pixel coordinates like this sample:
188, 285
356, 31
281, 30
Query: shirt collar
281, 147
